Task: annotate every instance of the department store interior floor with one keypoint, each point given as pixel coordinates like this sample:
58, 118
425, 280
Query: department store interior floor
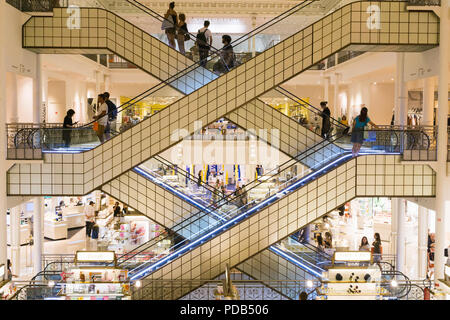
76, 240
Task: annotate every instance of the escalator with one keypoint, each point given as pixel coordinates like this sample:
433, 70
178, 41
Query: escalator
191, 195
219, 98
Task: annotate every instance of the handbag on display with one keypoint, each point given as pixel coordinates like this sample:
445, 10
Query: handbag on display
167, 23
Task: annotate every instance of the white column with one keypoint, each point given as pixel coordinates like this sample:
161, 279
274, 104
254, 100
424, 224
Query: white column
3, 163
15, 239
401, 91
326, 88
97, 75
107, 83
37, 234
428, 101
44, 98
394, 219
253, 38
423, 242
37, 88
11, 101
398, 209
335, 110
441, 179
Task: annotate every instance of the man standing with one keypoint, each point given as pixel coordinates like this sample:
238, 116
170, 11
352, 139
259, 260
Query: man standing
112, 116
204, 42
326, 124
89, 214
101, 117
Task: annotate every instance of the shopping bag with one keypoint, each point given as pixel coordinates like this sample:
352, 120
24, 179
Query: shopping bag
167, 23
95, 126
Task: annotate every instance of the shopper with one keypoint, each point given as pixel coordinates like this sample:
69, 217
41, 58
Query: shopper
171, 16
430, 254
183, 33
117, 210
326, 123
204, 42
359, 123
89, 214
101, 117
328, 240
244, 200
9, 274
365, 246
303, 296
125, 210
199, 179
68, 125
112, 116
320, 245
227, 58
376, 248
344, 122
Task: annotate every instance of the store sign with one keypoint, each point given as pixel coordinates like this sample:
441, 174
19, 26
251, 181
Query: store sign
352, 256
95, 256
2, 271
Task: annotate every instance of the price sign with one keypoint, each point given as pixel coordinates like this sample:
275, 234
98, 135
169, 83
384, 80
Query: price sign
352, 256
95, 256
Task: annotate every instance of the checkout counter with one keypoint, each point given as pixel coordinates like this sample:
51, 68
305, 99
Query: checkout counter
58, 221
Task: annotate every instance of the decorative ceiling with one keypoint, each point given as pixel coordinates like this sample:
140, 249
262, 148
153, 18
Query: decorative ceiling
220, 7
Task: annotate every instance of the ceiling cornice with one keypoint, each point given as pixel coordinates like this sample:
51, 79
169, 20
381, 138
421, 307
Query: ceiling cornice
215, 7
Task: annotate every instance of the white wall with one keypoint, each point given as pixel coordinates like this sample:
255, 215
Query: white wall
56, 101
21, 62
25, 98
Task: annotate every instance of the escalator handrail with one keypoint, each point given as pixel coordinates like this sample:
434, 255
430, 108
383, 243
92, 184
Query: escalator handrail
146, 93
230, 198
293, 97
216, 230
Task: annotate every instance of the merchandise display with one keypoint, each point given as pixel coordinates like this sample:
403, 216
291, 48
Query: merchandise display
95, 279
357, 279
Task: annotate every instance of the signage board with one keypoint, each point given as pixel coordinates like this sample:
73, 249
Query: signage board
352, 256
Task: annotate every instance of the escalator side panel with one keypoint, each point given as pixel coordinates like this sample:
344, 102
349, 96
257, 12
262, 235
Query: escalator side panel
148, 198
240, 86
292, 212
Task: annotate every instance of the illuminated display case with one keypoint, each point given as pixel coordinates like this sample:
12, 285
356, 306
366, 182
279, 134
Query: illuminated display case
352, 277
96, 277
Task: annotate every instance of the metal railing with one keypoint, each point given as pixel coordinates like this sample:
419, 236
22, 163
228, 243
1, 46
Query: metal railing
28, 140
424, 2
211, 289
37, 5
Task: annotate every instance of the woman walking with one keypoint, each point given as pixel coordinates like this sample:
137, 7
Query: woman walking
358, 130
377, 249
171, 15
182, 34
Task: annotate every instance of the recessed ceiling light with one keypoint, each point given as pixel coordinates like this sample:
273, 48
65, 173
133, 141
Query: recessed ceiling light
375, 83
392, 79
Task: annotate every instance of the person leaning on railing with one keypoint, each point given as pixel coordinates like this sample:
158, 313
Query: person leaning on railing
68, 125
359, 123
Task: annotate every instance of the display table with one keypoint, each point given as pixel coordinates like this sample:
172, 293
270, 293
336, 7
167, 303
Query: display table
74, 216
25, 233
55, 230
